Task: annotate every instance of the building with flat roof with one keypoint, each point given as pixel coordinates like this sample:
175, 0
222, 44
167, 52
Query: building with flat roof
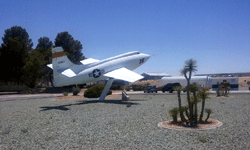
240, 74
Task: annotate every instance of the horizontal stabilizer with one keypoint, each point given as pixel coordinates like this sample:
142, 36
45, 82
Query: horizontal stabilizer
50, 65
124, 74
89, 61
68, 73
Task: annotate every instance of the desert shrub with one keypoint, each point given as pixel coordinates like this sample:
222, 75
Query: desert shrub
116, 87
138, 87
207, 88
65, 94
76, 90
173, 113
95, 91
24, 130
127, 87
203, 139
144, 85
134, 87
88, 86
41, 86
82, 85
248, 83
159, 88
223, 88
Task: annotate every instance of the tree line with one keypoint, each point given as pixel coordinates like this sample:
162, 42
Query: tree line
22, 64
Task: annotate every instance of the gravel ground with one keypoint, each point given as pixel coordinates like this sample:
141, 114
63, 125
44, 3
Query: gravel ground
90, 124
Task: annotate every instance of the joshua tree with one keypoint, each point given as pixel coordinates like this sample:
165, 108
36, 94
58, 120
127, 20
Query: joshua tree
203, 95
223, 87
194, 88
218, 89
190, 66
191, 111
226, 87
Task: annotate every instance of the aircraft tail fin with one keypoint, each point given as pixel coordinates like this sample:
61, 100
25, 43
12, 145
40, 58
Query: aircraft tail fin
60, 63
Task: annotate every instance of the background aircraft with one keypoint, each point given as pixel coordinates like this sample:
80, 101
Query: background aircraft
92, 70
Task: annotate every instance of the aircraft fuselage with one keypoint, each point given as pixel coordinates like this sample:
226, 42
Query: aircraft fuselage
95, 71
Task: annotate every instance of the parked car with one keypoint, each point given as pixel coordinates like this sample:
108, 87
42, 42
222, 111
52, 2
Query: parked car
170, 87
150, 89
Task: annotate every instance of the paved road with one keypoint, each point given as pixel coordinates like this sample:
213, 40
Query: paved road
45, 95
26, 96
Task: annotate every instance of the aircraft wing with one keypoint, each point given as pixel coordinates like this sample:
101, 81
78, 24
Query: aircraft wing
50, 65
89, 61
124, 74
68, 73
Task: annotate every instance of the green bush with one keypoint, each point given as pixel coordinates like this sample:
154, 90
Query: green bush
159, 88
88, 86
76, 90
95, 91
41, 86
138, 87
129, 105
134, 87
203, 139
127, 87
65, 93
116, 87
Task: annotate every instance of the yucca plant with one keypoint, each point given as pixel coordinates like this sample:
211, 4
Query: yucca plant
173, 113
194, 88
185, 109
208, 111
203, 95
179, 89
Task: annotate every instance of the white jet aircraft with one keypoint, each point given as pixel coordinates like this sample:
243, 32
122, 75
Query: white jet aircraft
92, 70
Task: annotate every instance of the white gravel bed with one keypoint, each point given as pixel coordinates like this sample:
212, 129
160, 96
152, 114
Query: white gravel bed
90, 124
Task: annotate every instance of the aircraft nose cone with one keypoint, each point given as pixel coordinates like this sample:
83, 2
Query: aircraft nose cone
147, 57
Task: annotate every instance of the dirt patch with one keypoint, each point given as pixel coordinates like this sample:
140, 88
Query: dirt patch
210, 124
223, 96
80, 95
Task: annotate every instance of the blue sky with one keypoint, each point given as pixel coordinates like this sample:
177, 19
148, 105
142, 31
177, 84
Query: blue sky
216, 33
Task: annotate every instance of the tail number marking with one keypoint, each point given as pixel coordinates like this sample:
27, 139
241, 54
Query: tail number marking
60, 62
